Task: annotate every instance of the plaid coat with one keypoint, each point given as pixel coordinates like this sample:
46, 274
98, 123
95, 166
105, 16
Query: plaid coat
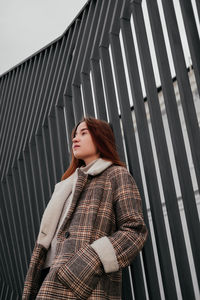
102, 233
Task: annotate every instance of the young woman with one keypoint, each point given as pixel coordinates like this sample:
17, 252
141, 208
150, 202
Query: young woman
93, 225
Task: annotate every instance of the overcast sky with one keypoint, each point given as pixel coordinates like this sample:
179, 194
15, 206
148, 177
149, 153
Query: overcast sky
28, 25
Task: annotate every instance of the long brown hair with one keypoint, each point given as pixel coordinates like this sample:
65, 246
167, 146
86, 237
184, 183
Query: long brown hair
103, 137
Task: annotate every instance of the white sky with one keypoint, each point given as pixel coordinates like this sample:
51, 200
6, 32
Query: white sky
26, 26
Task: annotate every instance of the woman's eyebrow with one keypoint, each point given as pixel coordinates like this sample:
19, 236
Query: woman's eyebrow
83, 129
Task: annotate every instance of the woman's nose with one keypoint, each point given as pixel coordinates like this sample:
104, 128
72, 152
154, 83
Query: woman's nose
75, 139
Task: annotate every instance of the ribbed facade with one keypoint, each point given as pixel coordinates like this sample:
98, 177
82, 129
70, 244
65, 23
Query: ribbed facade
115, 62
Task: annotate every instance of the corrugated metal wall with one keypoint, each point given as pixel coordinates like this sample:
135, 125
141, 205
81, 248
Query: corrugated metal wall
111, 58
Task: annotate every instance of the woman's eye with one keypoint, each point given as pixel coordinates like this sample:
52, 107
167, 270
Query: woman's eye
84, 132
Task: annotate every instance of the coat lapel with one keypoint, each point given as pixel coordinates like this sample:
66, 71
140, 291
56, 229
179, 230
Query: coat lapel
80, 184
53, 211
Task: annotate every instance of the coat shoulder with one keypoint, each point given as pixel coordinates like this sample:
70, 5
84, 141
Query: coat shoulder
118, 171
119, 175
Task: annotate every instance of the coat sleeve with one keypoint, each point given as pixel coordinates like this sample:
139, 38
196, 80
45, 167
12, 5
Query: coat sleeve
118, 250
109, 253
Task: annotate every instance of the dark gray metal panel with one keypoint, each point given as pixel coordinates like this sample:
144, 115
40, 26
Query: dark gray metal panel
111, 102
34, 209
198, 7
75, 53
46, 189
12, 119
16, 111
193, 134
98, 90
7, 124
77, 103
38, 96
193, 37
70, 114
4, 82
5, 292
45, 166
31, 167
85, 69
50, 100
36, 182
17, 236
28, 71
51, 77
126, 117
87, 95
59, 110
29, 218
64, 155
4, 245
161, 145
153, 191
52, 80
22, 223
8, 107
54, 136
2, 86
84, 41
33, 99
54, 148
5, 109
27, 98
109, 81
76, 81
122, 91
36, 103
72, 92
52, 116
126, 288
10, 238
62, 59
2, 288
17, 119
66, 62
95, 64
36, 147
49, 55
47, 156
148, 255
3, 266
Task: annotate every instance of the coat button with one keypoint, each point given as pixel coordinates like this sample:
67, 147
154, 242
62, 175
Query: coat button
67, 234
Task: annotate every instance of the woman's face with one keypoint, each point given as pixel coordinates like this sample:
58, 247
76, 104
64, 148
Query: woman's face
83, 146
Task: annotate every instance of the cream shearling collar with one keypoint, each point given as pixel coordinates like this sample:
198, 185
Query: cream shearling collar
61, 192
96, 167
